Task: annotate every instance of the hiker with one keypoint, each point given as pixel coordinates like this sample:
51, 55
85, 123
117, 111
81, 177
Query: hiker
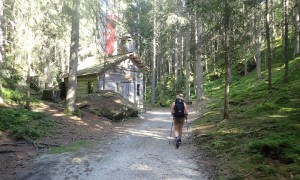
180, 112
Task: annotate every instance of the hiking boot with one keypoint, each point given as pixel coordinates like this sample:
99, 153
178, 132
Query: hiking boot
177, 143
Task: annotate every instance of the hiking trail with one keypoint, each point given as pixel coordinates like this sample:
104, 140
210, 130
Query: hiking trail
137, 150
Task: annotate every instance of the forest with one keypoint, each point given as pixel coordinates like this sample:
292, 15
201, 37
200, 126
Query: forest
238, 61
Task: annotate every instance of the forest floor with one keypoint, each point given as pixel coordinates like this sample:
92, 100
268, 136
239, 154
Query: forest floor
17, 155
134, 149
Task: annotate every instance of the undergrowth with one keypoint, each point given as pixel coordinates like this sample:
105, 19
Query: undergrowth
73, 147
18, 97
261, 140
24, 124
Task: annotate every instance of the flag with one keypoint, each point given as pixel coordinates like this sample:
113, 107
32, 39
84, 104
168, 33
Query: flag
110, 34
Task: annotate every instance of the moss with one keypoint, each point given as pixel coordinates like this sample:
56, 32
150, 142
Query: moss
261, 138
23, 123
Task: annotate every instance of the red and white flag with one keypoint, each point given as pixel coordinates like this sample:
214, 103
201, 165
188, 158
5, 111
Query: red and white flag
110, 35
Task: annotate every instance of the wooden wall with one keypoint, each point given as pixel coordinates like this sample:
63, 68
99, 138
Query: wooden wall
116, 82
82, 84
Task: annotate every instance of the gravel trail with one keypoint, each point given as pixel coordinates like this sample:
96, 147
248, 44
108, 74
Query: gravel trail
136, 151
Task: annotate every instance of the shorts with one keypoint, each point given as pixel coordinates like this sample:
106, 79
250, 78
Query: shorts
178, 121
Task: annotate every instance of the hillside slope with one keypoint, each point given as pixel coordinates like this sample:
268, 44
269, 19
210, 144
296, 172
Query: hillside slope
24, 134
261, 140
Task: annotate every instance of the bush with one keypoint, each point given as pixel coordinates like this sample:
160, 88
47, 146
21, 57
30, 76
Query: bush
265, 107
240, 67
213, 76
11, 78
23, 123
51, 95
12, 96
275, 147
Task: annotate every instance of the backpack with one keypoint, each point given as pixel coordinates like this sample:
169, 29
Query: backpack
179, 108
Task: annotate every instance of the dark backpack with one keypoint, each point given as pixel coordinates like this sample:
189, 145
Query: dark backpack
179, 108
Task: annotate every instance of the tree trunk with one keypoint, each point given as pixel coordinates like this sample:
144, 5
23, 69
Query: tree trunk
28, 80
103, 75
180, 53
272, 29
105, 54
286, 41
153, 74
187, 61
245, 44
160, 64
226, 58
170, 64
282, 24
72, 82
257, 40
297, 31
198, 67
267, 19
215, 49
180, 40
1, 46
176, 54
206, 64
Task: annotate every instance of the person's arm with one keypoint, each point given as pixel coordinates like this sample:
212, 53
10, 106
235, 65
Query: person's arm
185, 110
172, 108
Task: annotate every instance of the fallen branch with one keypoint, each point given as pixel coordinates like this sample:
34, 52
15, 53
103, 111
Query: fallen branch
30, 141
49, 145
8, 144
6, 151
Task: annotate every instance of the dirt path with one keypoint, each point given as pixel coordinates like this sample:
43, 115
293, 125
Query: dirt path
138, 149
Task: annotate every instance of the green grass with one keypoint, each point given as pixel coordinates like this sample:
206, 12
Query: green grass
19, 97
73, 147
261, 140
24, 124
12, 96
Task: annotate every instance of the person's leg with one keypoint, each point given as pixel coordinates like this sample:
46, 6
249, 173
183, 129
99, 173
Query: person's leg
176, 130
177, 139
180, 126
176, 127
